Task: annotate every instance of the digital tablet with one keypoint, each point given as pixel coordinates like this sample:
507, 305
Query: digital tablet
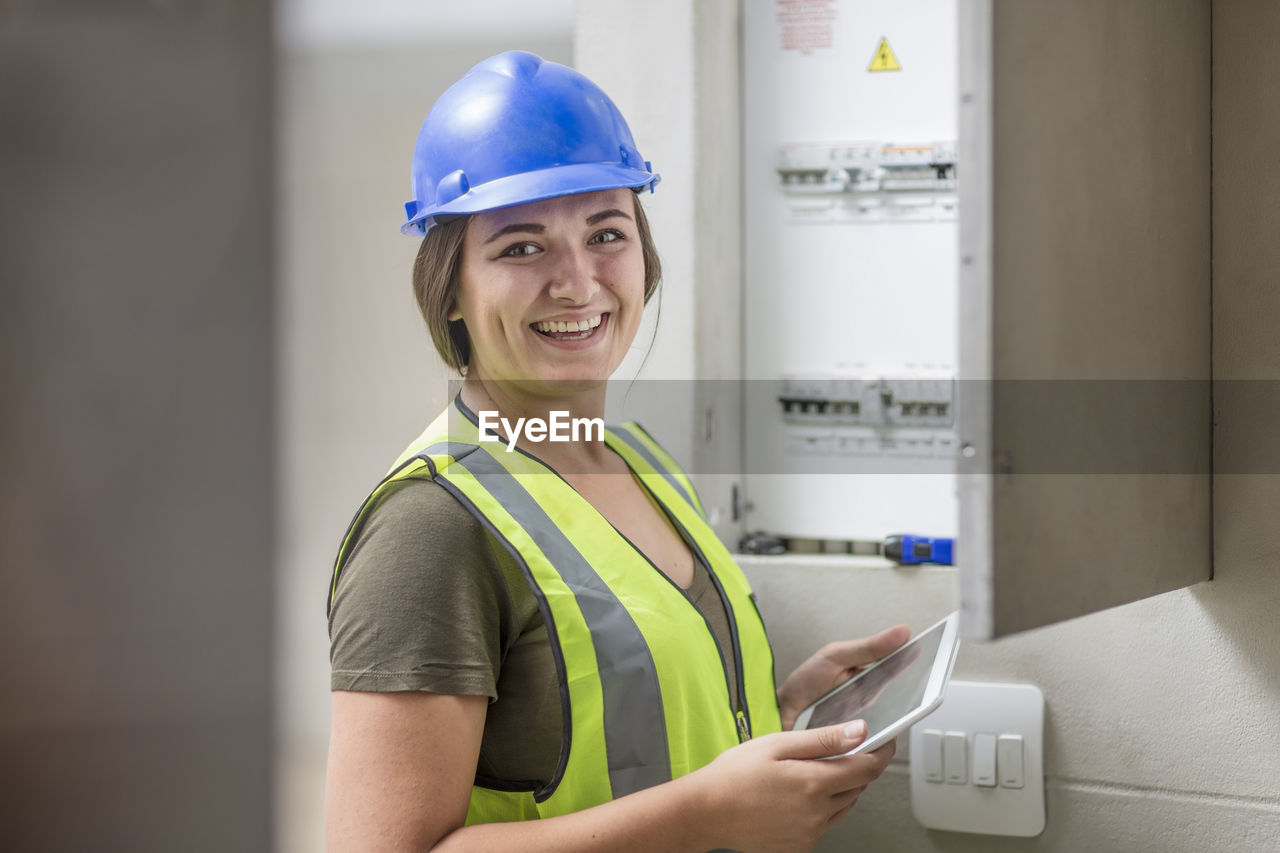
894, 692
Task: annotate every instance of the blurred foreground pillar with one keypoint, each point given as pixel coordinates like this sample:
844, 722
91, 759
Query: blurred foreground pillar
136, 491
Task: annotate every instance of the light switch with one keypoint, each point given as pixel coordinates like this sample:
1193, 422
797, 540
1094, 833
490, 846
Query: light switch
992, 737
984, 760
1009, 761
954, 764
932, 748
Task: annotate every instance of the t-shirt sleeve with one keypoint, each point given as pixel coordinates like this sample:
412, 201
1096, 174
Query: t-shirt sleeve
422, 602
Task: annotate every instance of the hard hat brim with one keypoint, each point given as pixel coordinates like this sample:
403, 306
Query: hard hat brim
528, 187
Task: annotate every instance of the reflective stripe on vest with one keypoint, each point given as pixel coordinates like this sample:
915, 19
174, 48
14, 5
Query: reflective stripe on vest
656, 459
643, 688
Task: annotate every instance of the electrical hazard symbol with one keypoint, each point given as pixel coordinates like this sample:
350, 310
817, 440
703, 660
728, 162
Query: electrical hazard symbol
884, 60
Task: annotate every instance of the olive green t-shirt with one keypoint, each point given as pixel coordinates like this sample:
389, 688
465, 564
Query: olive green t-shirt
429, 600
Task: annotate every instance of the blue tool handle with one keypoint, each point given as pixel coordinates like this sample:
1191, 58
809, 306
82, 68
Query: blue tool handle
910, 550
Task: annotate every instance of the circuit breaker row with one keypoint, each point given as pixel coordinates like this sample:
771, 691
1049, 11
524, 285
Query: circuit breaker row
869, 402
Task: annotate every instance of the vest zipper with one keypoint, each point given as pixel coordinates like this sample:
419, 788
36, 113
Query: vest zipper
741, 715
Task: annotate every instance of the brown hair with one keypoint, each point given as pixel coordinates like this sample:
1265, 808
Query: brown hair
435, 282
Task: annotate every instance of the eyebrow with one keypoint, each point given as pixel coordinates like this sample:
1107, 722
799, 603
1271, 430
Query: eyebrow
605, 214
526, 227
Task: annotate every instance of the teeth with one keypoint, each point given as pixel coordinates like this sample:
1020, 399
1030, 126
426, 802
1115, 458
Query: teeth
568, 325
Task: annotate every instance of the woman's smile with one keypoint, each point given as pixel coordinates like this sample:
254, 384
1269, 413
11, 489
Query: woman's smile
573, 334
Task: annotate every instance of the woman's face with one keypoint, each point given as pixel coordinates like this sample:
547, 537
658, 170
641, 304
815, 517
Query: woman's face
528, 271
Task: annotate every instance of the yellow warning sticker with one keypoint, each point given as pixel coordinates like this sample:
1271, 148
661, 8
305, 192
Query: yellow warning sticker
884, 60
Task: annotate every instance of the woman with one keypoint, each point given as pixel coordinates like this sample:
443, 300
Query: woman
529, 628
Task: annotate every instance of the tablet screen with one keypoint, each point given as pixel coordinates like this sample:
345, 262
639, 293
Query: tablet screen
888, 691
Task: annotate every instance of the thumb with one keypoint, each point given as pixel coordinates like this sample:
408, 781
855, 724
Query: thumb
822, 742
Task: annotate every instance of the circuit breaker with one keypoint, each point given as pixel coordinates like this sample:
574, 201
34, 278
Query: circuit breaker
850, 303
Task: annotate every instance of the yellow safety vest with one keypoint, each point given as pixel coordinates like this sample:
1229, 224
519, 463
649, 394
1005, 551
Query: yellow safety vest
643, 686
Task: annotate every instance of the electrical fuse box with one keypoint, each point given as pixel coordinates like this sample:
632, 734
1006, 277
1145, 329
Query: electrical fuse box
850, 275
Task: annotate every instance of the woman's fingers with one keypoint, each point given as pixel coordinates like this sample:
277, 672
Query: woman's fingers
866, 650
822, 742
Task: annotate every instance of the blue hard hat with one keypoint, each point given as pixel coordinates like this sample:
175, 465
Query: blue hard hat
515, 129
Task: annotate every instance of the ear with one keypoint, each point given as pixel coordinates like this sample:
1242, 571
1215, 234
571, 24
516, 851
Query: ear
454, 313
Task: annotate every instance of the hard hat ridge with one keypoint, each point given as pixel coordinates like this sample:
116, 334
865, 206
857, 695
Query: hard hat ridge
514, 129
513, 63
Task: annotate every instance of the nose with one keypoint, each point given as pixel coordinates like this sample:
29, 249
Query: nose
573, 279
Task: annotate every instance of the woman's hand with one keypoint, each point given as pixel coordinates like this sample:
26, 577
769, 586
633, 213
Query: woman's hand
770, 795
832, 664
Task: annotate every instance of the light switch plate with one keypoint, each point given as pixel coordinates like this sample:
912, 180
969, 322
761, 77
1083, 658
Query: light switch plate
992, 709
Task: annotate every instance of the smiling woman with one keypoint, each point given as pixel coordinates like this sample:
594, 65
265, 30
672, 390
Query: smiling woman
526, 271
436, 280
555, 635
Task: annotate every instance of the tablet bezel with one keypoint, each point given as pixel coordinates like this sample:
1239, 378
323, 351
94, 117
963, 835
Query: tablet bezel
936, 685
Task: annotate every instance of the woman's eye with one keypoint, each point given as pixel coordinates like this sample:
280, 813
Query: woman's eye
608, 236
519, 250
